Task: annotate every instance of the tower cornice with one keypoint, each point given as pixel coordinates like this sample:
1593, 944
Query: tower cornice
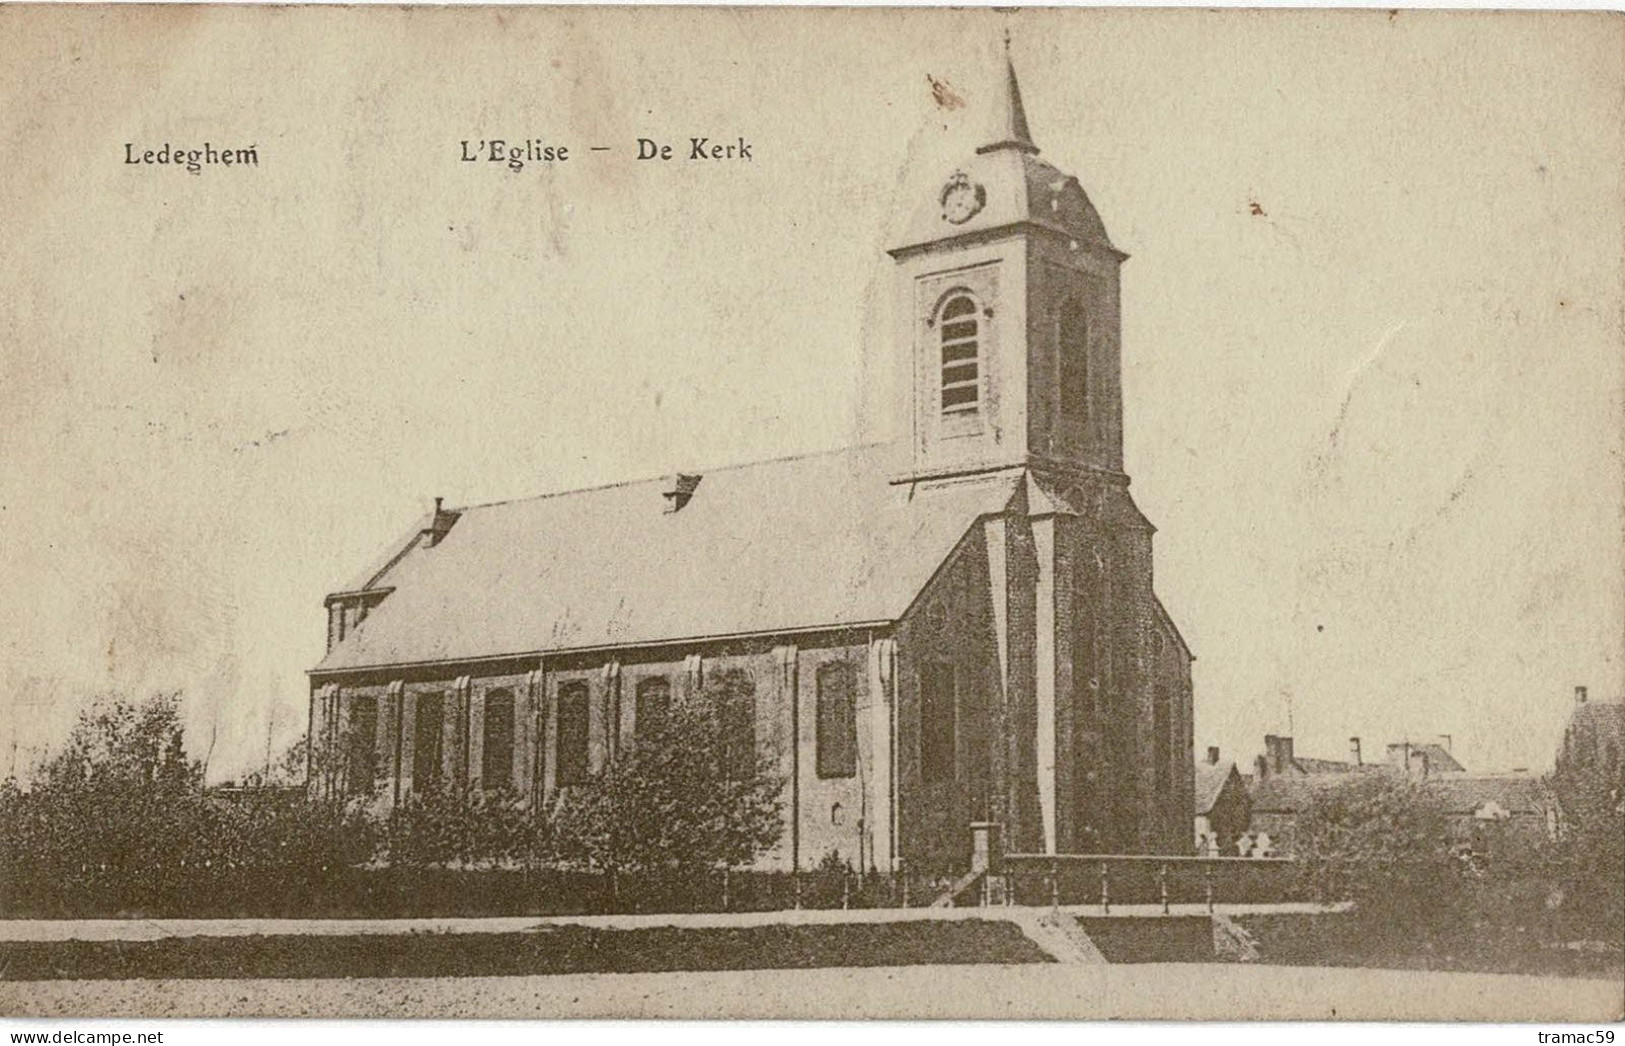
977, 237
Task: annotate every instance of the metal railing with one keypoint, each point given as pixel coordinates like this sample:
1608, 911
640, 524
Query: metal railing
1139, 879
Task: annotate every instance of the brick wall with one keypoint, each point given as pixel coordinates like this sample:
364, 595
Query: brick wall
1090, 278
950, 623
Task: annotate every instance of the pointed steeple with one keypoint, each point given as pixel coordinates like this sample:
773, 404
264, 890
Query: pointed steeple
1010, 123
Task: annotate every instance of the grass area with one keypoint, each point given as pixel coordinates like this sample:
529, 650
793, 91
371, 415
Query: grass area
1175, 939
1341, 940
552, 950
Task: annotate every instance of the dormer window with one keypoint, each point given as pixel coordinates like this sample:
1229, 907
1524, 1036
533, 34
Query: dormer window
961, 355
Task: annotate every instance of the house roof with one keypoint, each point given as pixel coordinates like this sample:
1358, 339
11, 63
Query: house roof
1311, 765
1440, 761
1291, 793
1455, 793
809, 542
1514, 793
1210, 781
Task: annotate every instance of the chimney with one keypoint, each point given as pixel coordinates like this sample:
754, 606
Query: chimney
680, 488
1213, 755
1354, 751
1579, 695
1261, 769
1418, 765
439, 524
1399, 754
1280, 753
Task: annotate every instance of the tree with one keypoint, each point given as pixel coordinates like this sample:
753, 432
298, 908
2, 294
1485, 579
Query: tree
1383, 844
125, 746
121, 800
1588, 856
292, 767
118, 820
687, 799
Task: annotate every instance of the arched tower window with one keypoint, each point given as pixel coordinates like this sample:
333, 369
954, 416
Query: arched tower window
961, 355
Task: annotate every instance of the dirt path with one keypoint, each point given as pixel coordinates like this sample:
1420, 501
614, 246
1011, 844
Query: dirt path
1198, 991
155, 929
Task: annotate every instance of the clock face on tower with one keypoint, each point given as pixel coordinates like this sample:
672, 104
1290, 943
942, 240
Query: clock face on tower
961, 199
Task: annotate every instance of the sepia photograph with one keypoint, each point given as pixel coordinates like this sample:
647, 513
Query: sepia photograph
811, 513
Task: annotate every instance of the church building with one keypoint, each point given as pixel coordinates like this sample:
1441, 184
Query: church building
953, 627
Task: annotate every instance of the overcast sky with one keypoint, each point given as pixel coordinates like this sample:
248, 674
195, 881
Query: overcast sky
1372, 317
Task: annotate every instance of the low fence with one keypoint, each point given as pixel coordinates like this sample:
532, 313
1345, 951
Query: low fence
1110, 879
242, 890
248, 891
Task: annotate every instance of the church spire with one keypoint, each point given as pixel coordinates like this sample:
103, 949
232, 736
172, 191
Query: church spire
1010, 123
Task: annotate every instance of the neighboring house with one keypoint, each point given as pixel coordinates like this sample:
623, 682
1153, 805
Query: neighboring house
1279, 759
1279, 799
956, 627
1488, 810
1479, 808
1223, 806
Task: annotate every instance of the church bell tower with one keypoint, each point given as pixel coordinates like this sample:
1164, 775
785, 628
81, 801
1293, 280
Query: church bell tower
1010, 288
1008, 325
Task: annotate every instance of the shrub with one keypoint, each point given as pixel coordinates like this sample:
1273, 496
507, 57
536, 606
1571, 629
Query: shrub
679, 803
1384, 845
456, 827
118, 821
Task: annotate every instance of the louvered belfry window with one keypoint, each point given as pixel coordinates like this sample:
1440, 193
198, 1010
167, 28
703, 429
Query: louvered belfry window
961, 355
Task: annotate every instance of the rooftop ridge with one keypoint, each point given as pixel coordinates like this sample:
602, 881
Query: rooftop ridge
703, 470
